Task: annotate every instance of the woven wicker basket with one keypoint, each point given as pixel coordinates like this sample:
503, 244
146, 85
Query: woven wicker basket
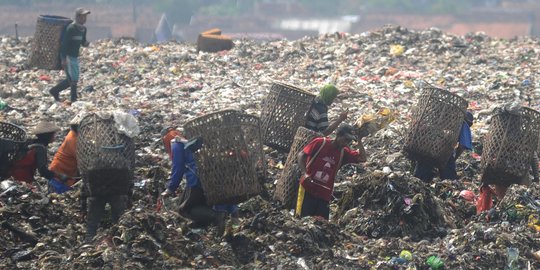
47, 39
284, 110
12, 138
435, 126
227, 160
213, 41
106, 158
251, 126
287, 185
509, 147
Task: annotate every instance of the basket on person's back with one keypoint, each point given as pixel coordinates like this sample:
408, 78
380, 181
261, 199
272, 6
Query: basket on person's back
106, 157
12, 140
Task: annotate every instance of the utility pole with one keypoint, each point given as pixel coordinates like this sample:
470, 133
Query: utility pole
16, 32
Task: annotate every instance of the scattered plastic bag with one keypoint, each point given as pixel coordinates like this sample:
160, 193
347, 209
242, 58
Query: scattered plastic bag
534, 222
126, 123
57, 186
467, 195
512, 258
396, 50
377, 121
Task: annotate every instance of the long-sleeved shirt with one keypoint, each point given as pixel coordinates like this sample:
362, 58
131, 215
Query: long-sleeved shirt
65, 159
317, 118
74, 37
25, 168
183, 163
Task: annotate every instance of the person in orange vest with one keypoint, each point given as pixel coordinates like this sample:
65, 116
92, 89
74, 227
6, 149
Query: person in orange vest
34, 155
64, 163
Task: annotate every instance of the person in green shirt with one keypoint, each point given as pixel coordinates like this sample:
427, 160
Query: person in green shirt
72, 40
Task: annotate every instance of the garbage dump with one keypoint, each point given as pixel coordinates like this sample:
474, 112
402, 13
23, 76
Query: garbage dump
381, 217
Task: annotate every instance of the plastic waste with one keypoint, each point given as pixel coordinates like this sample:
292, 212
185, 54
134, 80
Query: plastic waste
396, 50
467, 195
378, 121
3, 105
405, 254
435, 262
534, 222
58, 187
396, 260
126, 123
512, 257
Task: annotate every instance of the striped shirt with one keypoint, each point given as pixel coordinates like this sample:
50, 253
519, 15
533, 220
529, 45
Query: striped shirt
317, 118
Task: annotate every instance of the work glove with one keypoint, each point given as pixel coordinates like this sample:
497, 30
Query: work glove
166, 193
57, 186
63, 178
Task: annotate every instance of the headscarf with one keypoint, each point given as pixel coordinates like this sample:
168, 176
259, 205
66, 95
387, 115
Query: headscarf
167, 135
328, 93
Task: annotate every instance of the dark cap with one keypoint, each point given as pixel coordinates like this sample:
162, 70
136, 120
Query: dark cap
347, 131
81, 11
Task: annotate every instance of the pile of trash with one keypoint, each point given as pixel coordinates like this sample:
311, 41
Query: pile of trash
382, 218
380, 205
37, 229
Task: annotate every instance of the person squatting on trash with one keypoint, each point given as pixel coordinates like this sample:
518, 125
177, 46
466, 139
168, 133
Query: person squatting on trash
424, 171
317, 117
501, 188
72, 40
64, 163
319, 163
193, 203
34, 155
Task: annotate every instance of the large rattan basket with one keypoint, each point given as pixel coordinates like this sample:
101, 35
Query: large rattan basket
46, 43
251, 126
287, 185
435, 125
229, 156
509, 147
12, 138
284, 110
106, 158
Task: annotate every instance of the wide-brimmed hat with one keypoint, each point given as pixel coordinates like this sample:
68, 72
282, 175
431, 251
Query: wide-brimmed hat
45, 127
78, 118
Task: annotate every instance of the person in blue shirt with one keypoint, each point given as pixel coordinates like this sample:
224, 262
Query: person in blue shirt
425, 171
193, 203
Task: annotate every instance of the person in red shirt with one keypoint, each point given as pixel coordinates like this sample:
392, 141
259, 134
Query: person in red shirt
35, 155
319, 163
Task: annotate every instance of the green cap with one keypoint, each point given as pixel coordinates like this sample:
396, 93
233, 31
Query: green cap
328, 93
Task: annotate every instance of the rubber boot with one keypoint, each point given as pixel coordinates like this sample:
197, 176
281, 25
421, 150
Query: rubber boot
220, 223
55, 91
73, 92
202, 215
